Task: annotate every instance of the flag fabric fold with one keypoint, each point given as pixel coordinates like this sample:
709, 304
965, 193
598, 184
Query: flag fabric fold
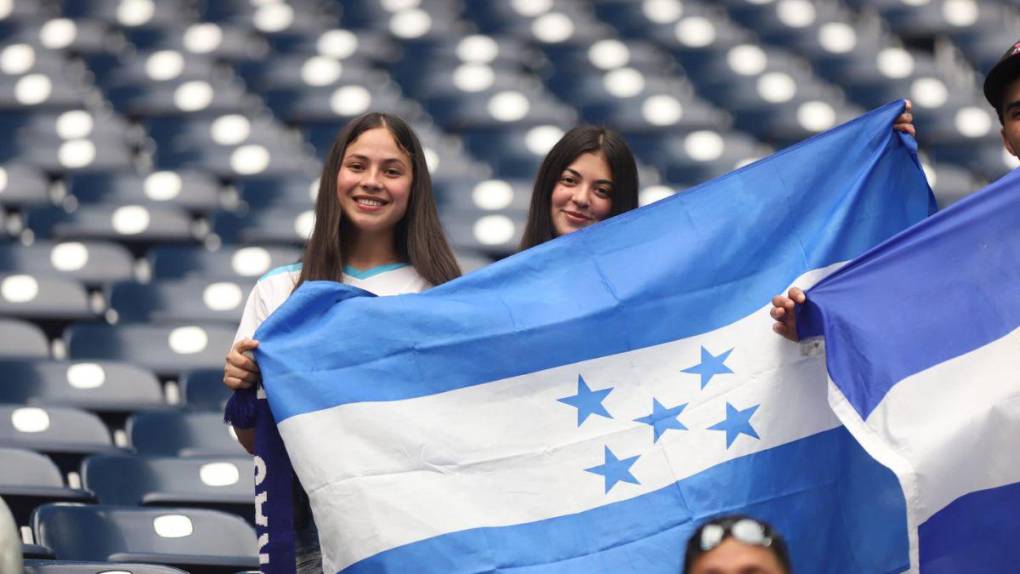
922, 338
583, 405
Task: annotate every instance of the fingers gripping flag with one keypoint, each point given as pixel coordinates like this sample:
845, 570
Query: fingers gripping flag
581, 406
923, 342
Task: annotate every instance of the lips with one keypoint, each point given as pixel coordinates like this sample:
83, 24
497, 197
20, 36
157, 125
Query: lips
369, 203
577, 218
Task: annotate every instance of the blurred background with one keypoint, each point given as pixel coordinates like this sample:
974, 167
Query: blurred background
157, 157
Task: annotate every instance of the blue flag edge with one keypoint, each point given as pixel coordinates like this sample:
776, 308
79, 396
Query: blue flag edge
853, 396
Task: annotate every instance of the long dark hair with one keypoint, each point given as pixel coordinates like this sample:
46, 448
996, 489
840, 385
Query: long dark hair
419, 236
581, 139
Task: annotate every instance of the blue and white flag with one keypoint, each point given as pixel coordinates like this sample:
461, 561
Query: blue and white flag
922, 336
583, 405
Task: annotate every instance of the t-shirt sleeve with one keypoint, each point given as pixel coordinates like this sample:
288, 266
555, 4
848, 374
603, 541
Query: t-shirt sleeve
255, 311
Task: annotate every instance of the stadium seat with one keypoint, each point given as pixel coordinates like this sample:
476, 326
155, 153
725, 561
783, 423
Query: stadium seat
194, 539
28, 479
90, 262
496, 234
192, 190
102, 387
75, 567
217, 483
65, 433
193, 299
130, 223
21, 339
273, 225
23, 185
203, 390
229, 262
167, 350
175, 433
43, 298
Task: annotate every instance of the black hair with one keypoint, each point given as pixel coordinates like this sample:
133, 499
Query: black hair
580, 140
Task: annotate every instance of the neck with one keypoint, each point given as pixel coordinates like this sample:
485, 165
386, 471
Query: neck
368, 250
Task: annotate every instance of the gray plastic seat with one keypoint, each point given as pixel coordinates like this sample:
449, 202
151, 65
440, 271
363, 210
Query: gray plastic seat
176, 433
102, 387
166, 350
89, 262
22, 339
225, 483
185, 537
228, 262
43, 298
53, 430
191, 299
28, 479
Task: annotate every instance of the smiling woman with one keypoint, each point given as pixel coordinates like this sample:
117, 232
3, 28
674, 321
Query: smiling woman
376, 228
589, 175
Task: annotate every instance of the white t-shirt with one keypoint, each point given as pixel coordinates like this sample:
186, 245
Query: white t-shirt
273, 288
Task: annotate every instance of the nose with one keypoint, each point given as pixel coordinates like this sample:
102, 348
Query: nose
580, 196
372, 180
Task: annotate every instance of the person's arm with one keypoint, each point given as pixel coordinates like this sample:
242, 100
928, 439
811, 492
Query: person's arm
783, 311
240, 370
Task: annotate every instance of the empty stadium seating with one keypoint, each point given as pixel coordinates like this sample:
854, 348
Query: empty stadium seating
160, 156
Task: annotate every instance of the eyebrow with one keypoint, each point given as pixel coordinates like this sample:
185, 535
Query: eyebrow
1012, 106
578, 175
366, 158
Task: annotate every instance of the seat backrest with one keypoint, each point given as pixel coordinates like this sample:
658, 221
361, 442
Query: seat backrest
133, 480
53, 430
22, 339
175, 433
165, 349
22, 467
169, 536
103, 386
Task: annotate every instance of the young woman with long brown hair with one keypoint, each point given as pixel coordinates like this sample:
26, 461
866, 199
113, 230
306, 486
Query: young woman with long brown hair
376, 228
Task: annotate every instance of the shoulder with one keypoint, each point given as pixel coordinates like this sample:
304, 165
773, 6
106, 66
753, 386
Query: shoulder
277, 283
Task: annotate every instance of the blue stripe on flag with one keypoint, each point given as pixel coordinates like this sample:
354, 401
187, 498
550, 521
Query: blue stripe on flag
653, 275
812, 490
880, 306
975, 533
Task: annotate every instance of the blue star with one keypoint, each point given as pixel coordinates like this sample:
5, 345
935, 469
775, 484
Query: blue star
663, 419
615, 470
710, 366
587, 401
736, 423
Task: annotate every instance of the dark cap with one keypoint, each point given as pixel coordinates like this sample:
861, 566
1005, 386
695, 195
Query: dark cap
1000, 76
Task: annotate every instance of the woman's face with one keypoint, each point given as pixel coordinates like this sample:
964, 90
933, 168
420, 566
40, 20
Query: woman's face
374, 182
734, 557
583, 194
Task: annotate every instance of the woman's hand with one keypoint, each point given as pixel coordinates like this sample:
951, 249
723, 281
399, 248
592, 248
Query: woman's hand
905, 121
241, 372
783, 312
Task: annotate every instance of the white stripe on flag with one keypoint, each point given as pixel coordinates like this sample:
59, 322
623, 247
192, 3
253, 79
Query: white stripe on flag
385, 474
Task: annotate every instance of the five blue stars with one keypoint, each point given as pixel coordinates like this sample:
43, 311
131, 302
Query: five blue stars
710, 366
663, 419
736, 423
615, 470
587, 401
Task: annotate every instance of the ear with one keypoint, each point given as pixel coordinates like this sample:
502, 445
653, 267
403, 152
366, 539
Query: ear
1009, 146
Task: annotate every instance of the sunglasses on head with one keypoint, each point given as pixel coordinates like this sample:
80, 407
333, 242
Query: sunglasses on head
746, 530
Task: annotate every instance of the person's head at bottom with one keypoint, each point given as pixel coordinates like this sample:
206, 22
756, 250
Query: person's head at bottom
736, 544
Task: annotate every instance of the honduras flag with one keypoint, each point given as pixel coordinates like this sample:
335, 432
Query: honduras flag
584, 405
922, 336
